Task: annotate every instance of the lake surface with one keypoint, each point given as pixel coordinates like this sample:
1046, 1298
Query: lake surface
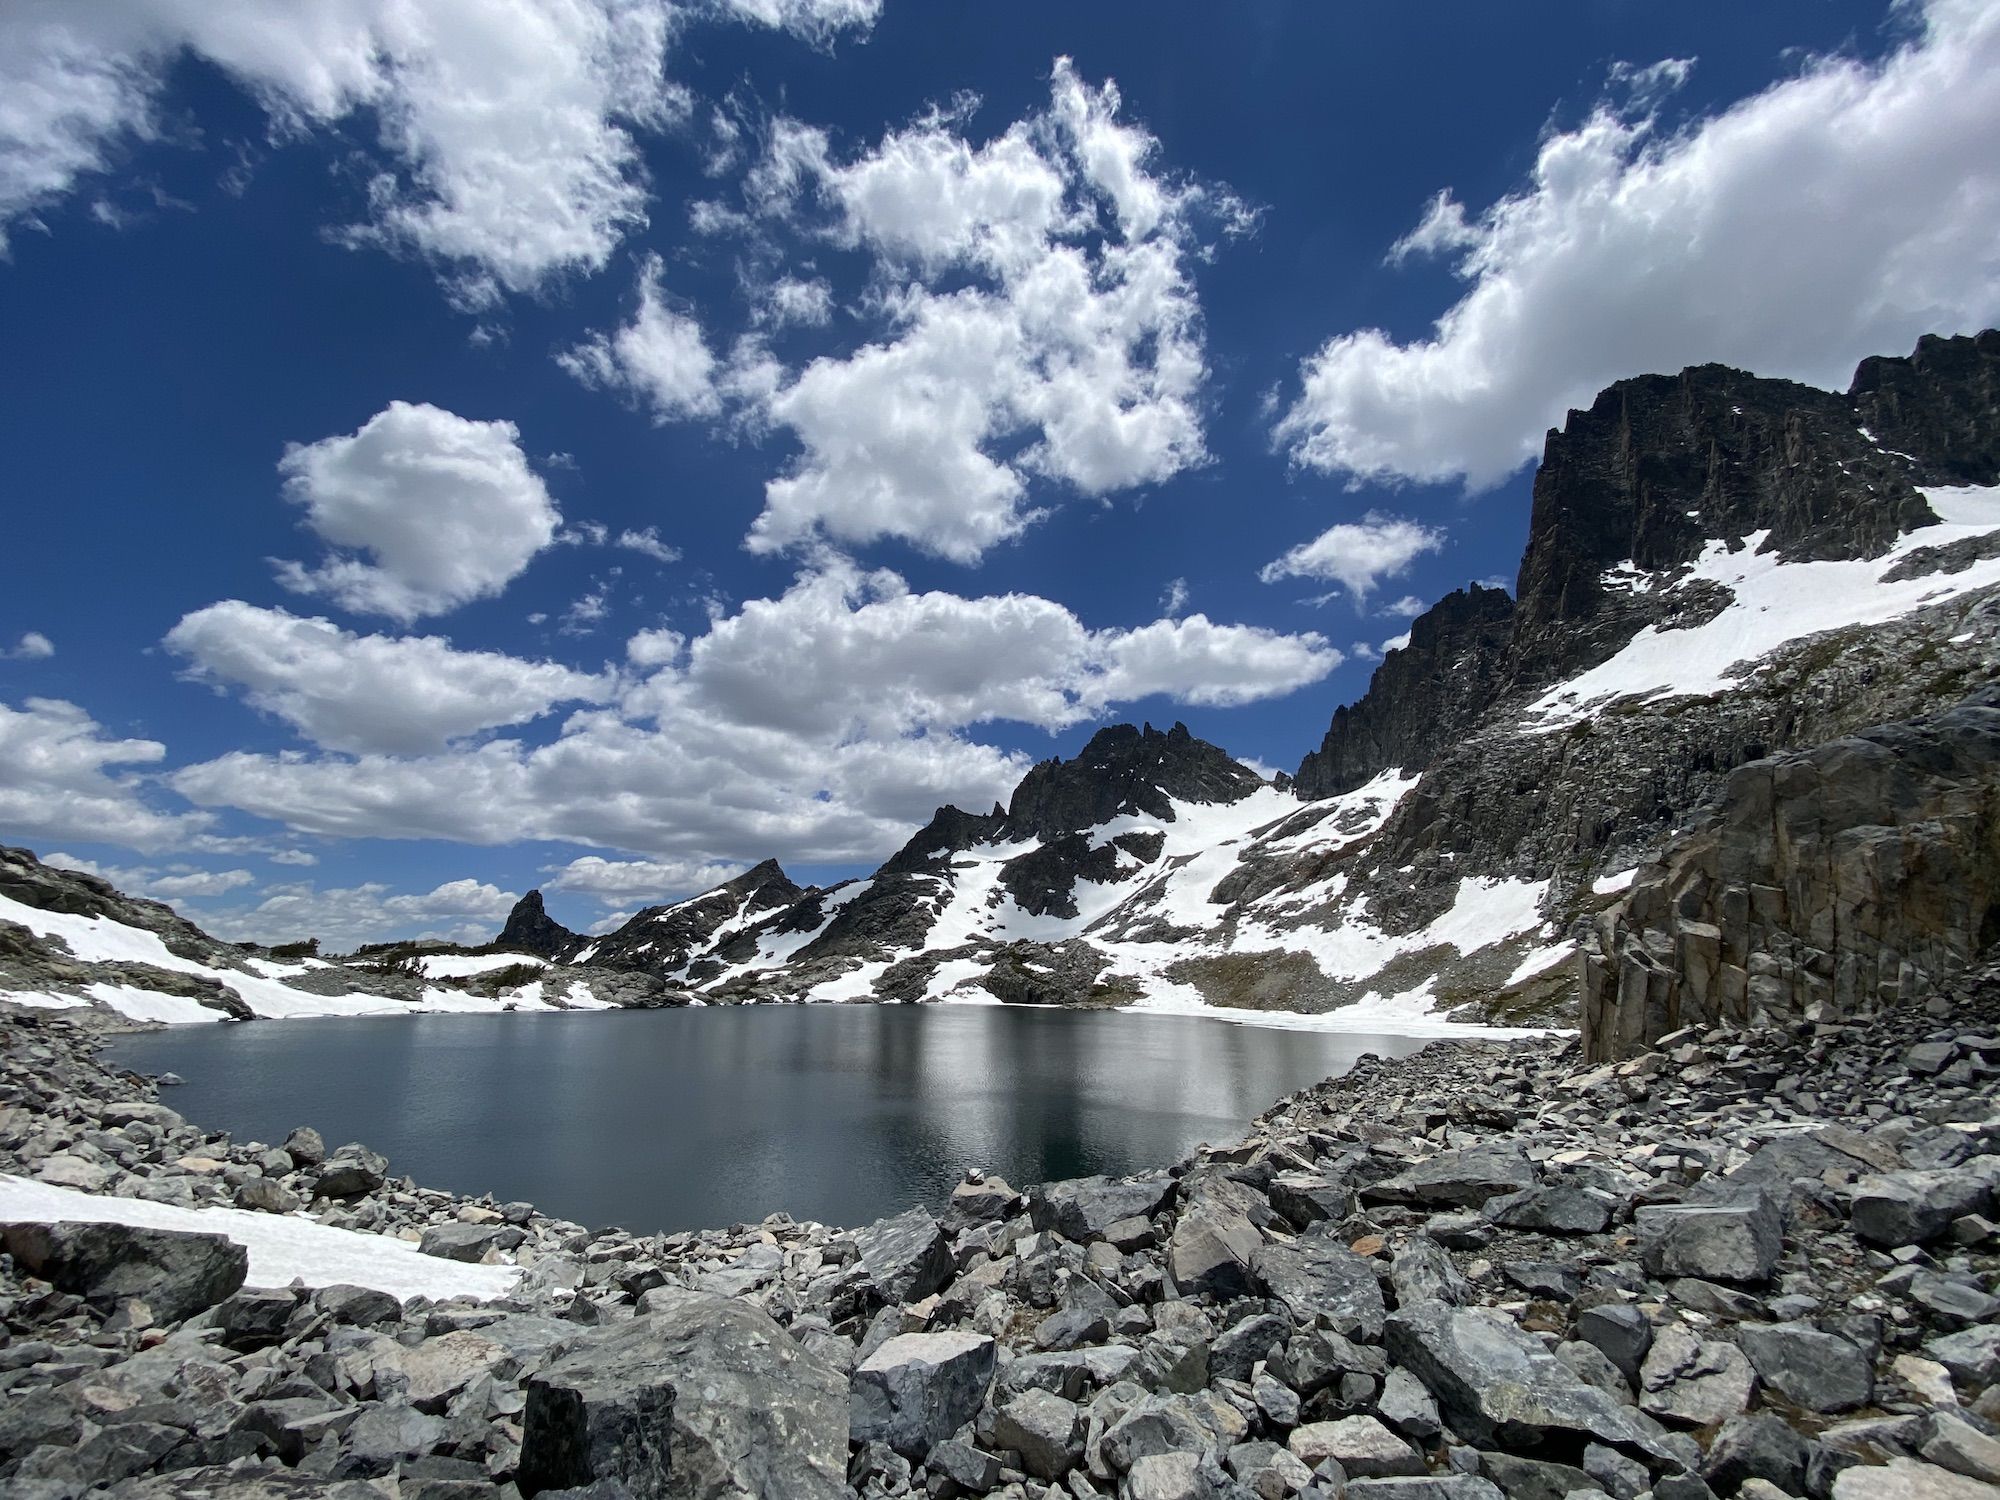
679, 1119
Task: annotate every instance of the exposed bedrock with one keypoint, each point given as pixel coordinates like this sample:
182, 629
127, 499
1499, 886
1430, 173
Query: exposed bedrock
1820, 885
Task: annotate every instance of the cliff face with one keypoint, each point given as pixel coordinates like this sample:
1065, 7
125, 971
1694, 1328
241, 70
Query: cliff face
1819, 886
1638, 484
1422, 697
531, 929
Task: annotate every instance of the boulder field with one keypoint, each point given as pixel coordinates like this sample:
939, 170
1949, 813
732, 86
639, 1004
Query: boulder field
1737, 1263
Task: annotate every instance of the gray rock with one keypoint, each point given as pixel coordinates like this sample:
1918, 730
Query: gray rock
1560, 1209
907, 1256
1243, 1344
305, 1147
1083, 1208
1694, 1381
1820, 1371
1210, 1251
1406, 1406
1759, 1446
360, 1305
1154, 1425
1361, 1445
1497, 1386
1268, 1471
1321, 1280
1915, 1207
1972, 1356
756, 1414
350, 1172
972, 1471
1620, 1331
1044, 1429
388, 1430
1305, 1200
1425, 1487
176, 1275
1422, 1272
1084, 1317
1908, 1479
254, 1318
266, 1195
467, 1242
1458, 1178
1735, 1241
1955, 1444
1167, 1476
918, 1389
1534, 1478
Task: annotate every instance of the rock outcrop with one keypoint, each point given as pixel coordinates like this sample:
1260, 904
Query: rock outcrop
1821, 885
1638, 483
530, 929
1746, 1264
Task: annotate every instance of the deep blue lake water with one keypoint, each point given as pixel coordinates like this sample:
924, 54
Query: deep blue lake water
678, 1119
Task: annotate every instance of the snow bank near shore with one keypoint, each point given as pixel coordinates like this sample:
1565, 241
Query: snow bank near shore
282, 1247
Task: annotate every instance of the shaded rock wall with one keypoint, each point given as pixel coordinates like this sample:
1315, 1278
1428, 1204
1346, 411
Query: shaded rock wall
1820, 884
1651, 471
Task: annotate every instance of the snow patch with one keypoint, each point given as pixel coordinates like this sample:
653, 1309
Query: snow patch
282, 1246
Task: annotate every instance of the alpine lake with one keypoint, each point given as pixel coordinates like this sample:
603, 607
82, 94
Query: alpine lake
659, 1120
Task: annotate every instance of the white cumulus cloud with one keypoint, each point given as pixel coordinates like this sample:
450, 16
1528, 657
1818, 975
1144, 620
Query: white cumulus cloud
446, 508
507, 130
32, 646
1358, 554
646, 881
1042, 325
659, 359
818, 726
1836, 214
394, 694
62, 777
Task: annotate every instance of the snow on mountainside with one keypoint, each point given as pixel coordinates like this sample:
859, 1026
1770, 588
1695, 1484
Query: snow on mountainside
1719, 568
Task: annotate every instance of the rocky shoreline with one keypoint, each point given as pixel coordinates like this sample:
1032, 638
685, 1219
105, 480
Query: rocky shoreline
1741, 1264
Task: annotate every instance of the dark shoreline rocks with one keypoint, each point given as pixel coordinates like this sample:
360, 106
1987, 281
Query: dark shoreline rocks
1744, 1264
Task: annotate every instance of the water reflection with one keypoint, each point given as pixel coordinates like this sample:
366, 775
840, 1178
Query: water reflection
680, 1119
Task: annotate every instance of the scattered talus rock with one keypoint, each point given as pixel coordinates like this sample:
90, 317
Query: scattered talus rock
175, 1274
1259, 1321
1822, 884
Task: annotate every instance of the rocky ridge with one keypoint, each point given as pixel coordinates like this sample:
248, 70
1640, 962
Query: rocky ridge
1746, 1263
68, 939
1720, 568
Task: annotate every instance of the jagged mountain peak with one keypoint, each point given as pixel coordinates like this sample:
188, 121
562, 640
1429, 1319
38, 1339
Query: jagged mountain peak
1636, 489
1121, 771
531, 929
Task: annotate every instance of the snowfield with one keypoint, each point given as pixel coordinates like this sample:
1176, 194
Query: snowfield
283, 1247
1776, 603
101, 940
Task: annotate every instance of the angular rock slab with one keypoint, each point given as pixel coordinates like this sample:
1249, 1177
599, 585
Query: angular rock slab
907, 1256
1499, 1387
1820, 1371
1083, 1208
1461, 1179
1906, 1479
1736, 1241
918, 1389
1321, 1280
602, 1412
751, 1411
176, 1274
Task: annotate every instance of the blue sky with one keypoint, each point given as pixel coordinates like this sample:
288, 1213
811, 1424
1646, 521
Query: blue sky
596, 443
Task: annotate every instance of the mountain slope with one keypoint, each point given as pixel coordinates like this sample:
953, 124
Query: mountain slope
1719, 567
